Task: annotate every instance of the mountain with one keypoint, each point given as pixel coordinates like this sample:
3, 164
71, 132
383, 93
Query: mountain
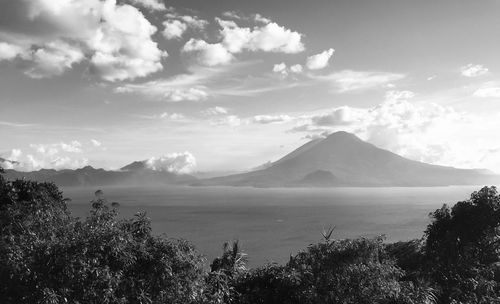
134, 174
342, 159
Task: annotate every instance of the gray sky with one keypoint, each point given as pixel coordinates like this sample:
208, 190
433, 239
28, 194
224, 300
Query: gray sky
229, 85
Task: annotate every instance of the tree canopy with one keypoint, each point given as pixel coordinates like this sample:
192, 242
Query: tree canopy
49, 256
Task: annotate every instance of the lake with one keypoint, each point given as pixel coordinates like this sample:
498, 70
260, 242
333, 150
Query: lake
271, 224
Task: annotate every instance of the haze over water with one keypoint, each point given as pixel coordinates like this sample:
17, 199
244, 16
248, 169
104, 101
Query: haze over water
273, 223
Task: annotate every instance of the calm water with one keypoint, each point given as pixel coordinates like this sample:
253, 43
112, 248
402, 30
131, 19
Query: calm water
271, 224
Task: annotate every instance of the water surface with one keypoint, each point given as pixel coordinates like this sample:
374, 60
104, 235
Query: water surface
271, 224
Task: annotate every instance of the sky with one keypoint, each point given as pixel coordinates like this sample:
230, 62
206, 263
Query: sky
229, 85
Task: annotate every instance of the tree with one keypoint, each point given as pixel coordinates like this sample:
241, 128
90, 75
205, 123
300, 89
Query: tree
462, 249
47, 256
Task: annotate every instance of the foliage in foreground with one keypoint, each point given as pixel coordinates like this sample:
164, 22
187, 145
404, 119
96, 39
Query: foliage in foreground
47, 256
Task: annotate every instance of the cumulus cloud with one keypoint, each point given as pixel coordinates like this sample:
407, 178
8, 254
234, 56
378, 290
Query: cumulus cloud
296, 68
425, 132
473, 70
280, 68
47, 156
150, 4
177, 25
174, 29
9, 51
269, 37
53, 59
319, 61
54, 35
348, 80
183, 163
208, 54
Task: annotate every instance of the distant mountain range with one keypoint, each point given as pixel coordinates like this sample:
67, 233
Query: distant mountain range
341, 159
135, 173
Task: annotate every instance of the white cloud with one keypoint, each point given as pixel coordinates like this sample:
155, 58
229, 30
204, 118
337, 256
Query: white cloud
296, 68
115, 39
150, 4
269, 119
215, 111
9, 51
348, 80
178, 25
229, 120
231, 14
270, 37
191, 94
48, 156
53, 59
194, 22
319, 61
183, 163
425, 132
96, 143
280, 68
176, 88
208, 54
488, 90
473, 70
174, 29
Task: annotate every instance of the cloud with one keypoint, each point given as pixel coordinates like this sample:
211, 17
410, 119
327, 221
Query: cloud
296, 68
348, 80
183, 163
53, 59
473, 70
270, 37
51, 36
154, 5
177, 25
206, 82
96, 143
280, 68
229, 120
231, 14
271, 119
174, 29
319, 61
208, 54
48, 156
214, 111
182, 87
9, 51
191, 94
488, 90
423, 131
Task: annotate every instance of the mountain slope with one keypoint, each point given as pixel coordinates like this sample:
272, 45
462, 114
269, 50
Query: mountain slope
342, 159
